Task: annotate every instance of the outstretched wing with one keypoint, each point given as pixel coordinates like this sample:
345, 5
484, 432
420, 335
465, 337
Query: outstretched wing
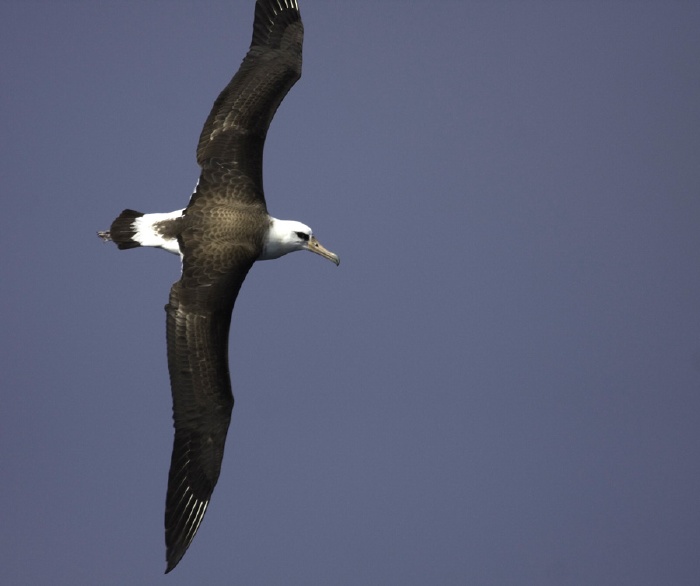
234, 133
198, 320
219, 247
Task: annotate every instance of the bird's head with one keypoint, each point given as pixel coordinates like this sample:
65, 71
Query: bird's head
285, 236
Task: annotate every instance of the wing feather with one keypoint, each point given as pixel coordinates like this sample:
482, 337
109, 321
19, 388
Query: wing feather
220, 242
235, 131
198, 321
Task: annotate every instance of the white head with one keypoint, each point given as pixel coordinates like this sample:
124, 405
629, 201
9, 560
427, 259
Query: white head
286, 236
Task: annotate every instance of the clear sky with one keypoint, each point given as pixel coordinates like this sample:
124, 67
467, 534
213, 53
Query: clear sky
500, 384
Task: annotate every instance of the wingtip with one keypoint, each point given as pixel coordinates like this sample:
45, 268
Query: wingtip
172, 560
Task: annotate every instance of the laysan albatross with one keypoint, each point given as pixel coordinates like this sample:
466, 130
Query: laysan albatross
223, 230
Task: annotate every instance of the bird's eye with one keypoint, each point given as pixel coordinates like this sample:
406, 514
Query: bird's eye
303, 236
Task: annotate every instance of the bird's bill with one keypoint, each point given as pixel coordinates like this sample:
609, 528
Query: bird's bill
315, 246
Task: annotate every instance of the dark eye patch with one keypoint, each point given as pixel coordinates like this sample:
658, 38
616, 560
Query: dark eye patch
303, 236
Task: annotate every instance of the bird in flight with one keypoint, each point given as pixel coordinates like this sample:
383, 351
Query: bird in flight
223, 230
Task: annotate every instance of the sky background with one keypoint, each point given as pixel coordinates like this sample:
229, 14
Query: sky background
499, 385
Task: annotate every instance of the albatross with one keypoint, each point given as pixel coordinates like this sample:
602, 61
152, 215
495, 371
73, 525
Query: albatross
223, 230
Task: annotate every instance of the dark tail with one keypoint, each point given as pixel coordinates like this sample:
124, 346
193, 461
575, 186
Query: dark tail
122, 232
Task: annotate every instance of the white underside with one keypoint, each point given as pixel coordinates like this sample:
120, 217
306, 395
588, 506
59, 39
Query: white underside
146, 235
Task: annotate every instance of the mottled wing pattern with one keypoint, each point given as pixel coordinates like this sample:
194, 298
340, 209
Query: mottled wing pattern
237, 125
198, 319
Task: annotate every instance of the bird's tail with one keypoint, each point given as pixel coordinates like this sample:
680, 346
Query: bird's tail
132, 229
123, 230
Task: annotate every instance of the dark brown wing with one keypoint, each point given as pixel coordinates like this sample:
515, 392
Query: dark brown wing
225, 223
198, 320
234, 133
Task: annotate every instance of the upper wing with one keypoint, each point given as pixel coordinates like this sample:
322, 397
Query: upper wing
198, 320
234, 133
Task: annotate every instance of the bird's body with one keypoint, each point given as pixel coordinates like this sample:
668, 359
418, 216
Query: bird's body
220, 234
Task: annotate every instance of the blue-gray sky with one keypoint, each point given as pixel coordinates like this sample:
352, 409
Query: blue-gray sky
500, 384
